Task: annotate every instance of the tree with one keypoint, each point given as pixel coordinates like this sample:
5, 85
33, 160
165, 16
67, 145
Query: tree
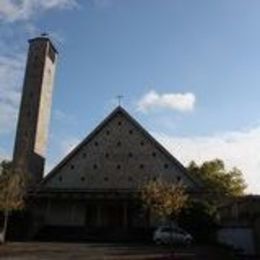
12, 193
199, 218
163, 199
217, 180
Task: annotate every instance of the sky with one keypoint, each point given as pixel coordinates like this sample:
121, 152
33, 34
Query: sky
188, 71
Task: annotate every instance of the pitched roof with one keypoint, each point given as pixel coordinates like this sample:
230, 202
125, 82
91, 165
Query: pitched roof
115, 112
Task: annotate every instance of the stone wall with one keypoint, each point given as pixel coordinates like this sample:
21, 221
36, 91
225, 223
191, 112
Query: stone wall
119, 156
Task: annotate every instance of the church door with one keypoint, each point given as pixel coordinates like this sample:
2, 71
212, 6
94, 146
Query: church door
112, 216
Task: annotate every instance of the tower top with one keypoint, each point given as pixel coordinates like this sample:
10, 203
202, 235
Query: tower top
44, 37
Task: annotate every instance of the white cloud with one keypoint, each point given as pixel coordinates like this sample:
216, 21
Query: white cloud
11, 72
15, 10
237, 149
175, 101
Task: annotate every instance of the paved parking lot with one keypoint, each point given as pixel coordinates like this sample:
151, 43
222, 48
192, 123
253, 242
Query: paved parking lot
106, 251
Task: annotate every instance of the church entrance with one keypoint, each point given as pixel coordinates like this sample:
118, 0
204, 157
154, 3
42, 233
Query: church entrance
112, 216
116, 220
94, 220
107, 215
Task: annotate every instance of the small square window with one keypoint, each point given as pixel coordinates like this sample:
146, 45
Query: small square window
142, 143
96, 143
166, 166
130, 155
107, 155
130, 132
82, 178
107, 132
118, 166
154, 154
141, 166
118, 144
60, 178
119, 123
94, 166
72, 167
106, 179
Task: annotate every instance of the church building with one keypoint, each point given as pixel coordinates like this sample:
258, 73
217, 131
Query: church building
96, 187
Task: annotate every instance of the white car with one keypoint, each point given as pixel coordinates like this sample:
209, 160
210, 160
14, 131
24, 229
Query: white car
171, 235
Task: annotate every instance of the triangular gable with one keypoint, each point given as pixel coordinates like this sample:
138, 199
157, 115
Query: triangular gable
118, 154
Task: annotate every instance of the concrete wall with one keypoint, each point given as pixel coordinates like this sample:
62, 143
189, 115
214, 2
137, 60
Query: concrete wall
238, 237
64, 213
257, 234
119, 156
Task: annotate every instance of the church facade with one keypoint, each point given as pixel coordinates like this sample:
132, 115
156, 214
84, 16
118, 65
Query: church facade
96, 187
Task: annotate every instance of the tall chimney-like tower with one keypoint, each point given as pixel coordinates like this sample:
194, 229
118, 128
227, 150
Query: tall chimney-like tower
35, 108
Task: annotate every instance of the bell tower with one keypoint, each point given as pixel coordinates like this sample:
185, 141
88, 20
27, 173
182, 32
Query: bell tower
35, 108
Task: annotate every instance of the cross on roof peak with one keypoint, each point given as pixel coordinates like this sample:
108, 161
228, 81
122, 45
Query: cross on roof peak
119, 98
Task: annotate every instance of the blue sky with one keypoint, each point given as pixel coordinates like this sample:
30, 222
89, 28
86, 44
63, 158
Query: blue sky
189, 72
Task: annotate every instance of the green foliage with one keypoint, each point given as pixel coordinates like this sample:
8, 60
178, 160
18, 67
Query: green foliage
199, 218
12, 188
163, 199
219, 182
5, 167
12, 193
